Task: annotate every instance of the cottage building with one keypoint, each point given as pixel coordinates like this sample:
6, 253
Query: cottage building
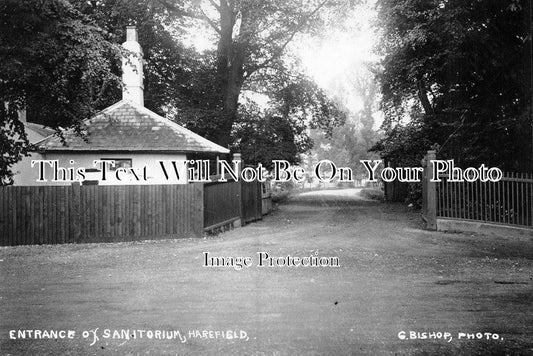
134, 138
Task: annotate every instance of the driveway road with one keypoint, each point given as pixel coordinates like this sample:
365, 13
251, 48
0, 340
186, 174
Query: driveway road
393, 277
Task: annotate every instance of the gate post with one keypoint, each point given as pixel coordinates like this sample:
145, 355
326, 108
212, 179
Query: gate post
431, 193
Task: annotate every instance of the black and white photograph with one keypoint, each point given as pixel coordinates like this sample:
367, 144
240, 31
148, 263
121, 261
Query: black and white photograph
266, 177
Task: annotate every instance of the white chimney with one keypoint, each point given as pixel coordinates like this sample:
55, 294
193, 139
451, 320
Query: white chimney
132, 69
22, 115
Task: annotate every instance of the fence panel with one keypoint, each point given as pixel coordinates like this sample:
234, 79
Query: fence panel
251, 201
222, 203
509, 201
266, 198
75, 214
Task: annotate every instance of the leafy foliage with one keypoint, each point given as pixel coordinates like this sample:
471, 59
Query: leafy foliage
459, 73
281, 131
251, 42
350, 142
267, 137
13, 142
61, 60
54, 59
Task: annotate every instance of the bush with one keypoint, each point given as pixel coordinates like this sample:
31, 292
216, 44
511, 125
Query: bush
414, 195
373, 193
280, 196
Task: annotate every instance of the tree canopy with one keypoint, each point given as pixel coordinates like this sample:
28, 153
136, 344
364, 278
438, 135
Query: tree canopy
62, 62
456, 75
250, 55
350, 143
54, 60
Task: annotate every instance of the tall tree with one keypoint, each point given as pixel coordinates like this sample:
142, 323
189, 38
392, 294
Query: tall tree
252, 37
55, 59
280, 131
351, 142
456, 76
62, 59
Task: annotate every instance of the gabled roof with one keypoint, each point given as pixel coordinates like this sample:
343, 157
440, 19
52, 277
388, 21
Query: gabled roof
36, 132
126, 126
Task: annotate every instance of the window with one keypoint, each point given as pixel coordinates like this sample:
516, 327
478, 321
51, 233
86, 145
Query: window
119, 163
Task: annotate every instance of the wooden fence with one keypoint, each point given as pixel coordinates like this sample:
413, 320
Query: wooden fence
76, 214
508, 201
266, 198
251, 200
92, 213
222, 204
225, 203
395, 191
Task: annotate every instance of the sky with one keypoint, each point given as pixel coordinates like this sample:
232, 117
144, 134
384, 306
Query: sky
344, 53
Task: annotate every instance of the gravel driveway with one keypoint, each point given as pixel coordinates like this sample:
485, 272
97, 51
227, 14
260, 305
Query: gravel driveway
398, 289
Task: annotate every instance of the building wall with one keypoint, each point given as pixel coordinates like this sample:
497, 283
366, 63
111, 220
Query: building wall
145, 165
22, 168
23, 174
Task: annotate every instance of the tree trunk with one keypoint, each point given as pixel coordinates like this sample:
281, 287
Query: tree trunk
230, 62
422, 95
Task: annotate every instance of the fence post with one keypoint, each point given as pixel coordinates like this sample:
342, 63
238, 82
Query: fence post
431, 193
238, 157
198, 214
386, 185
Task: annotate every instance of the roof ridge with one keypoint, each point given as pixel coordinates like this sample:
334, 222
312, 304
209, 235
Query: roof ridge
185, 139
175, 125
101, 112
